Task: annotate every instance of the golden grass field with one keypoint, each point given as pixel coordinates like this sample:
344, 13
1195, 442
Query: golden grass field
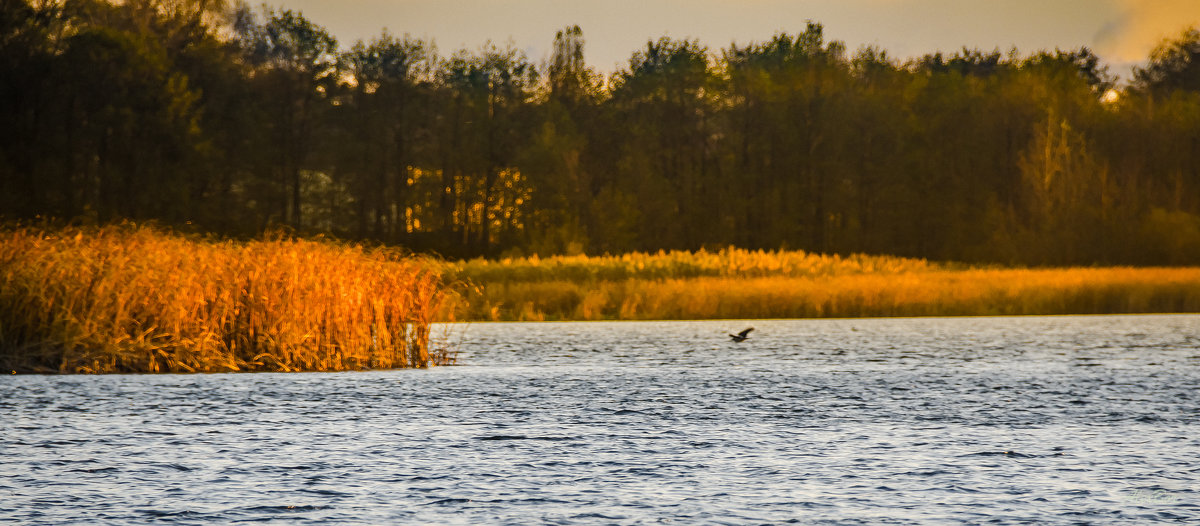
137, 299
737, 283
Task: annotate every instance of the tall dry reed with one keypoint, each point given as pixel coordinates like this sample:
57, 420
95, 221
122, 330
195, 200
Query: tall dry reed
740, 284
137, 299
677, 264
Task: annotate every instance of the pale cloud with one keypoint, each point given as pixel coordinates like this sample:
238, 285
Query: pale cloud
1143, 24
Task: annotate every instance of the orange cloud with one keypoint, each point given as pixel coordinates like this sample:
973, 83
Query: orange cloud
1142, 25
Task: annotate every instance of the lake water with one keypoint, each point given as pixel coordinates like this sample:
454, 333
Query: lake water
1011, 420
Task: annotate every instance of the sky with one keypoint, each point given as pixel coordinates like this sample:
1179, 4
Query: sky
1122, 32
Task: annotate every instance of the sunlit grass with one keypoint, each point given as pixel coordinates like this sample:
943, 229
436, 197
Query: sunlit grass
730, 263
745, 284
136, 299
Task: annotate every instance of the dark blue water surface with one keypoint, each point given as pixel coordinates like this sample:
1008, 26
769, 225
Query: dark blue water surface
1005, 420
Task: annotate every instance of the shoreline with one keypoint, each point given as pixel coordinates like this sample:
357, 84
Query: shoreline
932, 316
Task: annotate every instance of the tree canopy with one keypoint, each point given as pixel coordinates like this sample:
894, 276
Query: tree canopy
235, 120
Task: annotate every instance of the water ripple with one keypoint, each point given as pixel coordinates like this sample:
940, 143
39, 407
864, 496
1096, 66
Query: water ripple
906, 421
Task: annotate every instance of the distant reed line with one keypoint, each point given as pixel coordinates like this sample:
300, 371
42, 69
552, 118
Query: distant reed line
749, 284
136, 299
678, 264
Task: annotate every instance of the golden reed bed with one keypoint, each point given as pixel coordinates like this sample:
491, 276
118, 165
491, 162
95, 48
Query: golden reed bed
137, 299
745, 284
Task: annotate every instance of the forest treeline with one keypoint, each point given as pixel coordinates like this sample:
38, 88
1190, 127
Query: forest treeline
237, 120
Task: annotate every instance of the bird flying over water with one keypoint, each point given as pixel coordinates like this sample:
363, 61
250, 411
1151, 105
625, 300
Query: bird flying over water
741, 336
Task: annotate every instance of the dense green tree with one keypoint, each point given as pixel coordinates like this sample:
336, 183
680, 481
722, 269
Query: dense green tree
236, 120
791, 91
1174, 65
557, 160
482, 127
382, 123
663, 104
29, 43
296, 68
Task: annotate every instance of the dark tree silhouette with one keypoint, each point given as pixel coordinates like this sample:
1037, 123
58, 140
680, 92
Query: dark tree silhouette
217, 117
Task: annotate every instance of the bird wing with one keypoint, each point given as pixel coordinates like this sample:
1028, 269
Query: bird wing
745, 332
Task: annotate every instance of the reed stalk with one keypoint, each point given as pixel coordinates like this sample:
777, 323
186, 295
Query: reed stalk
128, 298
736, 283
